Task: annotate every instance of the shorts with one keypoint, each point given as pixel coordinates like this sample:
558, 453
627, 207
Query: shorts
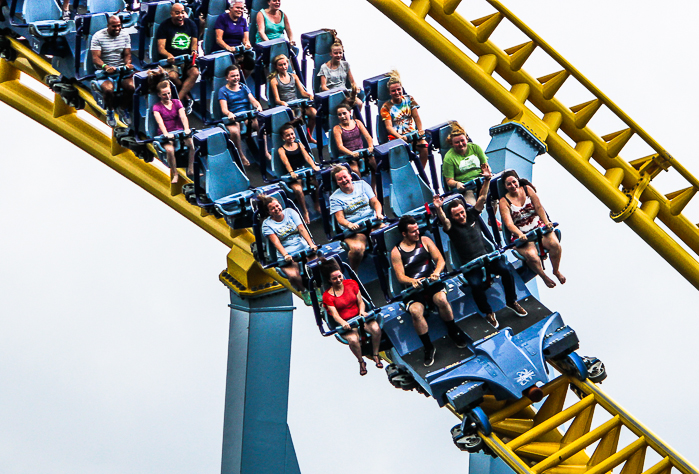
425, 296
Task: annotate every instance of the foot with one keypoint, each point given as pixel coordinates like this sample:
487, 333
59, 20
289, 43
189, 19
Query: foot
459, 338
306, 297
244, 160
190, 172
560, 277
111, 120
549, 282
311, 139
125, 116
490, 317
362, 367
175, 179
188, 106
429, 356
66, 15
377, 359
306, 217
517, 308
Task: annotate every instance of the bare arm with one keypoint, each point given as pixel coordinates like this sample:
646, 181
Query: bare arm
351, 79
224, 109
438, 203
195, 42
340, 218
273, 84
285, 161
97, 61
337, 133
360, 304
162, 51
161, 125
246, 40
390, 130
336, 316
376, 205
538, 207
324, 83
274, 240
436, 256
365, 134
219, 41
307, 237
482, 195
418, 120
399, 270
183, 117
261, 25
127, 58
287, 28
302, 90
308, 159
254, 102
507, 218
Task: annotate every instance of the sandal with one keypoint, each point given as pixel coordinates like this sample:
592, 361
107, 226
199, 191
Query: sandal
377, 359
362, 368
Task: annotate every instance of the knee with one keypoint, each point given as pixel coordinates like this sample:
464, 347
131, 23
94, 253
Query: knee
193, 73
173, 76
107, 87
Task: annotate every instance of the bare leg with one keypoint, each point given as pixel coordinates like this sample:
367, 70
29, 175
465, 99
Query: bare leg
301, 200
294, 276
190, 79
551, 243
234, 130
417, 312
375, 331
170, 151
443, 306
190, 164
311, 114
357, 245
534, 262
353, 341
108, 94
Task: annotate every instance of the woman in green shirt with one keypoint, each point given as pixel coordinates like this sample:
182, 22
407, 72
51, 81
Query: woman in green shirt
464, 162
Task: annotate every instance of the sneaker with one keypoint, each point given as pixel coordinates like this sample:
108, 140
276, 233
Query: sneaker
306, 296
188, 106
517, 308
429, 356
66, 15
459, 338
492, 320
111, 121
125, 116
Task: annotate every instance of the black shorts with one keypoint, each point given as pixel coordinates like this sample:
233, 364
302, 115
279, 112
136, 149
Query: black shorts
425, 296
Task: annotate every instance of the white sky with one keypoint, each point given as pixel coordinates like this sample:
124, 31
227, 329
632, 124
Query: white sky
113, 332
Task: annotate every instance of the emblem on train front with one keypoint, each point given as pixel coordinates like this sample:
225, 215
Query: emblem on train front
524, 376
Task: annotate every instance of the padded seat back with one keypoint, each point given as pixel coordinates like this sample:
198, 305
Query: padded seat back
408, 190
40, 10
151, 126
255, 6
152, 16
222, 176
213, 77
266, 51
273, 119
317, 44
105, 6
376, 90
326, 104
437, 139
87, 26
211, 9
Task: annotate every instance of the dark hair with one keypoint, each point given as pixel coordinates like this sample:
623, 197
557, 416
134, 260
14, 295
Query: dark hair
348, 101
228, 70
264, 202
327, 267
453, 205
404, 222
290, 125
522, 182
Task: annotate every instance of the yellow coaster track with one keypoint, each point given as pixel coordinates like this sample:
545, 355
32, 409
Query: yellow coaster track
625, 185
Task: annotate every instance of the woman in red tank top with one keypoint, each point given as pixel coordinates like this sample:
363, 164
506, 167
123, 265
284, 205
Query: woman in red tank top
343, 301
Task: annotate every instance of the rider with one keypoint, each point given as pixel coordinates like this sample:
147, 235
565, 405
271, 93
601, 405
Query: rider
111, 49
467, 241
178, 36
414, 260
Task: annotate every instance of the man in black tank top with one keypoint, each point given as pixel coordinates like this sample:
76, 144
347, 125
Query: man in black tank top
415, 259
467, 241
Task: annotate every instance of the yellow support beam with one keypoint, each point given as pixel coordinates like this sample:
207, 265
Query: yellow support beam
624, 189
243, 274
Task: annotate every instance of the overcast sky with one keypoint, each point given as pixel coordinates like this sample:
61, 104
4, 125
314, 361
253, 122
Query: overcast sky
114, 326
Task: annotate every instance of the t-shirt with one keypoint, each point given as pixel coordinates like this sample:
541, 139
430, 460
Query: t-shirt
237, 100
346, 304
464, 168
171, 118
335, 78
233, 31
178, 39
467, 239
354, 205
287, 230
112, 47
400, 115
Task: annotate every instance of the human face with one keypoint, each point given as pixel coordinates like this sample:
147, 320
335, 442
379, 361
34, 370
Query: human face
396, 92
337, 52
289, 136
114, 27
282, 66
512, 184
343, 116
344, 180
458, 214
459, 143
336, 278
275, 210
413, 233
237, 10
177, 14
275, 4
233, 77
165, 94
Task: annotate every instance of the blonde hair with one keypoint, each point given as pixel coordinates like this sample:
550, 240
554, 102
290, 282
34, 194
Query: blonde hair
456, 130
393, 78
273, 72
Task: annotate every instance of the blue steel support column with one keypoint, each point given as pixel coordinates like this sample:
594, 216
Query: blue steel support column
256, 437
512, 147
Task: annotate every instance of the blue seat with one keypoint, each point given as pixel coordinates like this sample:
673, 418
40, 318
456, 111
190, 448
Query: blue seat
87, 26
316, 44
152, 15
322, 316
105, 6
254, 6
211, 9
213, 77
326, 103
376, 91
408, 190
219, 175
436, 137
264, 53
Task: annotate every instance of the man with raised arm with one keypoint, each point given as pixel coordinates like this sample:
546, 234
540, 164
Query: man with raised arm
176, 37
351, 204
414, 260
110, 49
462, 227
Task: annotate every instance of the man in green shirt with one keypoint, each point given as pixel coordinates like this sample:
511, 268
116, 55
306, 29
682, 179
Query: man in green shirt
464, 162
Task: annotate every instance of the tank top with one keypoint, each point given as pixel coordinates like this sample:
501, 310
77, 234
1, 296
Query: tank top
272, 30
295, 158
524, 217
352, 139
287, 92
418, 263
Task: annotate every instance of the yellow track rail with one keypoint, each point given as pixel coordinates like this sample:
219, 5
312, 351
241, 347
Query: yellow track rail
625, 185
554, 439
243, 274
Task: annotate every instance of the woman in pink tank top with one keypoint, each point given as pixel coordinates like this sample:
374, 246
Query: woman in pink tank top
170, 116
348, 138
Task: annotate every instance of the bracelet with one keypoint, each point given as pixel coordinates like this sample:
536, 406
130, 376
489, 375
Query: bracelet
104, 66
